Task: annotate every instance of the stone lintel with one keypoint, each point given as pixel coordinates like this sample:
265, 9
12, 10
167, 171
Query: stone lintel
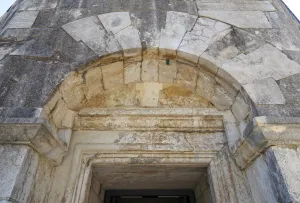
35, 132
267, 132
150, 119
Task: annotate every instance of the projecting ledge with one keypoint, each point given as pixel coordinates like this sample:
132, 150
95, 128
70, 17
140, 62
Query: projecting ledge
267, 132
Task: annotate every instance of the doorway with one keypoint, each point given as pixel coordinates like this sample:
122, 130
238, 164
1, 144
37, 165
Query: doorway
149, 196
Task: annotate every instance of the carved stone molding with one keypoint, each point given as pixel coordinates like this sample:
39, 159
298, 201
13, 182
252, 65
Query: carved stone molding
267, 132
35, 132
150, 119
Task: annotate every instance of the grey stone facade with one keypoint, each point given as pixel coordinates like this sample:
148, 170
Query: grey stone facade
94, 94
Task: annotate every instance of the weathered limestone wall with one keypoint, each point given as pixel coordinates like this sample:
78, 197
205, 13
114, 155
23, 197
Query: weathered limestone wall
228, 182
239, 59
25, 176
274, 176
50, 43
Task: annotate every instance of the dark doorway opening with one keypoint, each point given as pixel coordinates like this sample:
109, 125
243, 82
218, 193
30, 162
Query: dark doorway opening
149, 196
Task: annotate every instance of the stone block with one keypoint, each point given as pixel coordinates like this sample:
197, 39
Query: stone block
149, 70
93, 80
232, 6
281, 38
289, 87
206, 84
52, 102
234, 137
264, 62
24, 176
113, 75
68, 119
132, 73
240, 108
260, 181
38, 5
59, 113
72, 90
234, 43
90, 31
172, 96
265, 92
196, 41
186, 75
222, 169
115, 21
240, 19
23, 19
11, 161
284, 165
167, 73
148, 93
129, 39
149, 23
5, 51
177, 24
221, 98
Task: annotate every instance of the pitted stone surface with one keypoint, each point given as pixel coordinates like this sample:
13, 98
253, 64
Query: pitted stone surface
114, 54
129, 39
265, 92
90, 31
38, 5
5, 51
260, 181
233, 44
233, 6
23, 19
204, 32
114, 22
113, 75
177, 24
266, 61
241, 19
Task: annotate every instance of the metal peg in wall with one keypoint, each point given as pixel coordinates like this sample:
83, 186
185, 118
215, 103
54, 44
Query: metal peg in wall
167, 61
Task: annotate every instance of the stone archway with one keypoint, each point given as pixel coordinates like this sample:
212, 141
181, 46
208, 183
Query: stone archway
181, 120
201, 89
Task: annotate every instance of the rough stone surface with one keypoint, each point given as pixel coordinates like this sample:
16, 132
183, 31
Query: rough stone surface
149, 70
265, 92
93, 79
177, 24
132, 73
186, 75
260, 182
264, 62
62, 62
204, 32
115, 22
227, 180
231, 6
113, 75
167, 73
240, 19
289, 87
24, 176
90, 31
283, 164
23, 19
